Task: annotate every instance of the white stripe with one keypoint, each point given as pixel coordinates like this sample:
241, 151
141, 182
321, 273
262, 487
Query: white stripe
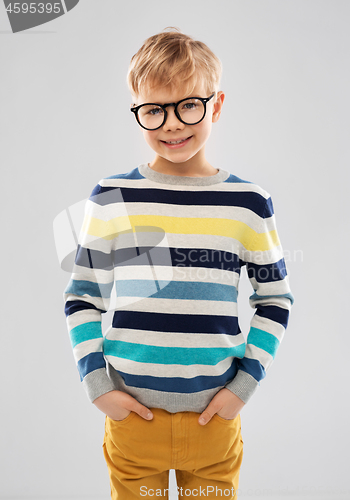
96, 301
272, 301
171, 306
83, 316
269, 326
96, 243
162, 370
175, 339
269, 224
84, 348
181, 274
253, 352
110, 211
264, 257
271, 287
99, 276
191, 241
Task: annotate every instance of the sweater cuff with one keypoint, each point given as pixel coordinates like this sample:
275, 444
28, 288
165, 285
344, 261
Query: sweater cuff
243, 385
97, 383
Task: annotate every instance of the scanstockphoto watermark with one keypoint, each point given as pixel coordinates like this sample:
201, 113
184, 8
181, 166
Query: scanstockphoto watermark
306, 491
25, 15
188, 492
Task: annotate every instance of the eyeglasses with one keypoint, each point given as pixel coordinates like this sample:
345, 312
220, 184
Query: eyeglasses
189, 111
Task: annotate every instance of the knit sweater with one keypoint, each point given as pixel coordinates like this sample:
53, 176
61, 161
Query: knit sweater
165, 252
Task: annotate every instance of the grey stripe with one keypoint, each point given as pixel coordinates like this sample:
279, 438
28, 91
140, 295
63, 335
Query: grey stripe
169, 401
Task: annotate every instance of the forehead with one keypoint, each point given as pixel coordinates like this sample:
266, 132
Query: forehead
162, 95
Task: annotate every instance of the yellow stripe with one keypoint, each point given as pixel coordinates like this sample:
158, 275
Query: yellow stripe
265, 241
251, 240
105, 229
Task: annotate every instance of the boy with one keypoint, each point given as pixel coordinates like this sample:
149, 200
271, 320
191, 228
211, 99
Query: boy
174, 370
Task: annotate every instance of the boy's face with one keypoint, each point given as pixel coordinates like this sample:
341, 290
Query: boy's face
191, 152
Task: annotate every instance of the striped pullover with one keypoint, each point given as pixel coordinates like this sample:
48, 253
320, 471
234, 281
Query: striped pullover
164, 253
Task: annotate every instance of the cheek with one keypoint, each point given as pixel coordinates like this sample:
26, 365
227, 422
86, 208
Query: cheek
204, 130
148, 136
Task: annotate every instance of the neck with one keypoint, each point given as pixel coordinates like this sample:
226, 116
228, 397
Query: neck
188, 169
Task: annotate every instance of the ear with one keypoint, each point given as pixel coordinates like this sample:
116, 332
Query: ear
218, 106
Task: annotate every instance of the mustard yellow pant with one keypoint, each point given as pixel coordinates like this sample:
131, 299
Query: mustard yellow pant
139, 454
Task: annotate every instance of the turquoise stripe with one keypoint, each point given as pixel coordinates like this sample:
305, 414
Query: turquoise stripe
263, 340
86, 331
171, 355
80, 287
189, 290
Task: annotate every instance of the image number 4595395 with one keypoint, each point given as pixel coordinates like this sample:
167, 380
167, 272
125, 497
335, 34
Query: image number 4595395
24, 15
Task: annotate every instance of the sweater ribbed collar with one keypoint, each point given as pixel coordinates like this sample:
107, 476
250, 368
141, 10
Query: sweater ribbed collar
146, 171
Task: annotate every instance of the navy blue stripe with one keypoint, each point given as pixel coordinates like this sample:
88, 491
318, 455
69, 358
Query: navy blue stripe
202, 257
253, 367
94, 259
179, 384
267, 272
90, 363
73, 306
274, 313
185, 323
179, 257
249, 200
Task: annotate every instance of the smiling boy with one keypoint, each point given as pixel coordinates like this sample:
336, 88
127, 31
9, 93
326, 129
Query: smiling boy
173, 371
188, 157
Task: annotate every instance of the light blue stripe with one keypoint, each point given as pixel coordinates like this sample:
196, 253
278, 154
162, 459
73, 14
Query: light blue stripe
80, 287
133, 174
171, 355
263, 340
233, 178
86, 331
187, 290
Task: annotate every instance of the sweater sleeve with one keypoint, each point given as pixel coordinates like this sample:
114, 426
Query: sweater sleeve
88, 294
272, 299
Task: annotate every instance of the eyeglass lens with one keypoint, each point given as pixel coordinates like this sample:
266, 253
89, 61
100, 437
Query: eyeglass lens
191, 111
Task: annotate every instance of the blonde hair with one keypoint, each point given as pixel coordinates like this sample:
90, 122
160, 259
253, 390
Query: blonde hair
168, 58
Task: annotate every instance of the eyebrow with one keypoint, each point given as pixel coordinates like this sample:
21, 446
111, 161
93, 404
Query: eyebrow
162, 103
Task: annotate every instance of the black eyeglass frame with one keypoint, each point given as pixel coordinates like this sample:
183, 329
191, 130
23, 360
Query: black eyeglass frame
204, 101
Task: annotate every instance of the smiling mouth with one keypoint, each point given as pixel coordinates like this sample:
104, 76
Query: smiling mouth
177, 142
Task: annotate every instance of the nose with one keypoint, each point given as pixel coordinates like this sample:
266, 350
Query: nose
172, 122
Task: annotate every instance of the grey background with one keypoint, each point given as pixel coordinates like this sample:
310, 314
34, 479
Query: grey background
65, 124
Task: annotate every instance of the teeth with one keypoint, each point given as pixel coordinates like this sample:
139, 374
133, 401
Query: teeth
174, 142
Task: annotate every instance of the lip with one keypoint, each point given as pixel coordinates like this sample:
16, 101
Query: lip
175, 146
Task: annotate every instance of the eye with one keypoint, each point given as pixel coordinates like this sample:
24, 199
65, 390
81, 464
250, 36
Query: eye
155, 111
189, 105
